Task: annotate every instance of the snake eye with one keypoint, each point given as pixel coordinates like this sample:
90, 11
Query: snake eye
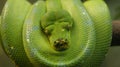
48, 30
67, 26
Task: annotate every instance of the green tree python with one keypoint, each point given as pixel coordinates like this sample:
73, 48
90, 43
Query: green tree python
56, 33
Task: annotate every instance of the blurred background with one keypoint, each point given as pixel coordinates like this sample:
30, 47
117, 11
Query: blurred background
113, 56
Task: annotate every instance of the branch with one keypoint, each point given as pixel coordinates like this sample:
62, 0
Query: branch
116, 33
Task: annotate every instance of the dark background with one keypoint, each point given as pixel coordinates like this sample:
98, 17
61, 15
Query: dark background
113, 57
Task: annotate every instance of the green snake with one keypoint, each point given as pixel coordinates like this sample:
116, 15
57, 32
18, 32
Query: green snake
56, 33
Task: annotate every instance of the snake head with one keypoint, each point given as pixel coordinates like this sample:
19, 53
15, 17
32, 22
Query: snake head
57, 25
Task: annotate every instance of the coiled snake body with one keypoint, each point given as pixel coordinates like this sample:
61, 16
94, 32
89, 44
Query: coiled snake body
56, 33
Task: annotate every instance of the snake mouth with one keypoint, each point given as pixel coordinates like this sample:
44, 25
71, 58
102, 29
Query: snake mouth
61, 44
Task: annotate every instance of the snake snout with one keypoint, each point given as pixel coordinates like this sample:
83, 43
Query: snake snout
61, 44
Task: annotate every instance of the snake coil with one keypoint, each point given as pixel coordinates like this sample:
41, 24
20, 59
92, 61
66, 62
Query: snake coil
56, 33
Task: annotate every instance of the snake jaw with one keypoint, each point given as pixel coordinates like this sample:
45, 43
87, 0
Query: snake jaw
61, 44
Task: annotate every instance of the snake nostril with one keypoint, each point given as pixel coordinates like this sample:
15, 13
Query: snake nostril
61, 44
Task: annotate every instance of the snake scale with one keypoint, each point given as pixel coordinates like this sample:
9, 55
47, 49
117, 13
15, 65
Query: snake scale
56, 33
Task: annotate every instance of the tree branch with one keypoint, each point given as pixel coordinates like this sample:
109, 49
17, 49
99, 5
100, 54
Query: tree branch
116, 33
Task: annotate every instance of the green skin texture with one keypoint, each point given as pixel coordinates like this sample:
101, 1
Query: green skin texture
29, 32
12, 18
